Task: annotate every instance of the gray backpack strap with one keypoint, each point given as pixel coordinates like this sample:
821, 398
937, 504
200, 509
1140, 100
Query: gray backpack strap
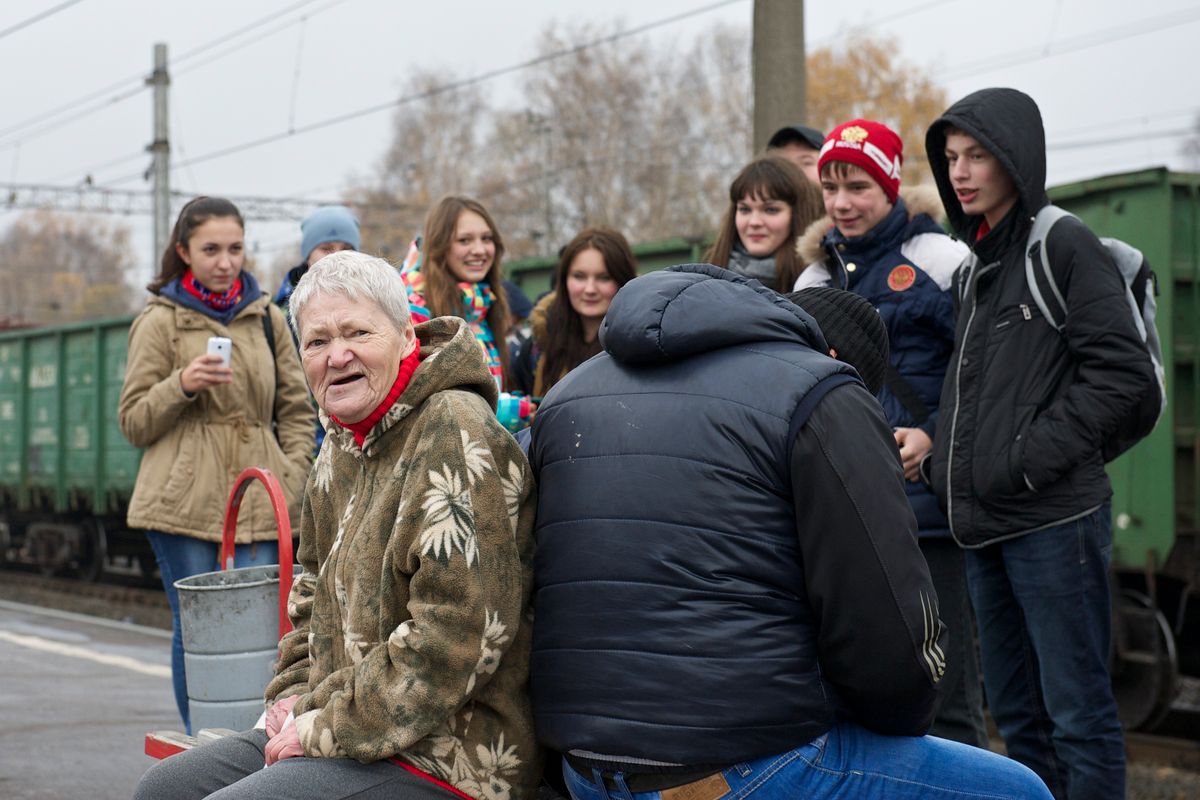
1042, 223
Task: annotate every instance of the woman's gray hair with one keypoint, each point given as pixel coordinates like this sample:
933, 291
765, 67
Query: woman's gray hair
357, 276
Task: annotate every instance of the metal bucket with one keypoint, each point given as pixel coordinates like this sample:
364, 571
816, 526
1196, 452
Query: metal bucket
231, 621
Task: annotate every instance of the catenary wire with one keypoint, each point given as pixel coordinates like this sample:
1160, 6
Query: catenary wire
445, 88
38, 17
139, 78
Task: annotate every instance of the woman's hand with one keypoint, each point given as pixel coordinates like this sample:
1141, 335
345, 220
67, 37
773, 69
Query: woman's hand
277, 714
914, 444
203, 372
285, 744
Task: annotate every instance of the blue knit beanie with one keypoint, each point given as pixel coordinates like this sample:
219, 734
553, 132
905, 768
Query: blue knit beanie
328, 224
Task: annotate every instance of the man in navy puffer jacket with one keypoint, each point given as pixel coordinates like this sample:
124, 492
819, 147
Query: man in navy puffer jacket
729, 593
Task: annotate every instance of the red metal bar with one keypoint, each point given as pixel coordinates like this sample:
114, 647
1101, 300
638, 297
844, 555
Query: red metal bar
160, 744
282, 523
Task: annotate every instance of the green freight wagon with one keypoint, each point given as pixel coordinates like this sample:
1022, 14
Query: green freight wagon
66, 472
1156, 486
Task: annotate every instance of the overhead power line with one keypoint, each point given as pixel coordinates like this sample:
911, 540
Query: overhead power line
876, 22
1114, 34
38, 17
443, 89
134, 84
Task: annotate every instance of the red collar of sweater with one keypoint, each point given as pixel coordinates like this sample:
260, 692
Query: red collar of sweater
361, 428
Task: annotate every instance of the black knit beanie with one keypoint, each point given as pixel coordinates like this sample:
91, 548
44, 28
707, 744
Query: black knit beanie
852, 327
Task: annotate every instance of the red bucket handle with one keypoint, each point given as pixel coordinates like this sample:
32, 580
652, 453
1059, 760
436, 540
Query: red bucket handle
282, 523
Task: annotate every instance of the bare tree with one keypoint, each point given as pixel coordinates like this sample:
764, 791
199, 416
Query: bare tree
61, 268
434, 152
633, 133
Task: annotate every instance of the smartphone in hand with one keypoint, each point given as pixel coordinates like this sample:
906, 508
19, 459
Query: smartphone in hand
221, 346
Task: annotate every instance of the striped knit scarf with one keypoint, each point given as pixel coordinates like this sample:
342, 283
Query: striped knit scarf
477, 300
218, 301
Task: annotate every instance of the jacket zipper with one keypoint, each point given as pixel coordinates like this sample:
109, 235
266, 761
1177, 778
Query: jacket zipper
973, 292
844, 275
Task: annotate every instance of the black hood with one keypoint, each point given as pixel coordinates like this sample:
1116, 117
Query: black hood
1007, 122
694, 308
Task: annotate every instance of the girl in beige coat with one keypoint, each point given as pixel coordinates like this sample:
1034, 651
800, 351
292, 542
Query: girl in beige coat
200, 422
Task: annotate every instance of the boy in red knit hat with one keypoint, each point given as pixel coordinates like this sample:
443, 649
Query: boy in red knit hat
887, 246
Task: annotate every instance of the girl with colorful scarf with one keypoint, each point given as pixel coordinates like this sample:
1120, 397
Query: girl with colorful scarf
454, 270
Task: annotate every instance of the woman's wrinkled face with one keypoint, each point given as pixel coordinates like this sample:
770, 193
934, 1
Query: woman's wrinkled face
762, 224
589, 286
351, 351
472, 250
215, 252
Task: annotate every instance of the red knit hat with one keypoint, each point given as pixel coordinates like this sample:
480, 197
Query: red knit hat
870, 145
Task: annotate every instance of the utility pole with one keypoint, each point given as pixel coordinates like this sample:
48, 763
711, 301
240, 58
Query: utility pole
778, 56
160, 147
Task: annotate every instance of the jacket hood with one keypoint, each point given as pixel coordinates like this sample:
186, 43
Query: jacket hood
451, 358
539, 318
1007, 122
919, 200
696, 308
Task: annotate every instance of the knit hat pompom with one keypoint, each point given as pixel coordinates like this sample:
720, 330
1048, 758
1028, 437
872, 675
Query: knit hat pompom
852, 327
328, 224
870, 145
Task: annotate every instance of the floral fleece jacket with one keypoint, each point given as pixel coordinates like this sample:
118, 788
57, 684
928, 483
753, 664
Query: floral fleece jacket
412, 616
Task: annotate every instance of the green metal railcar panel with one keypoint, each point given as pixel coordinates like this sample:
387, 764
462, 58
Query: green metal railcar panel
10, 425
1185, 280
1153, 484
80, 428
43, 420
60, 445
120, 460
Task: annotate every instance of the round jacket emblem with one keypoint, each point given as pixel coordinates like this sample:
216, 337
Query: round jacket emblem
901, 278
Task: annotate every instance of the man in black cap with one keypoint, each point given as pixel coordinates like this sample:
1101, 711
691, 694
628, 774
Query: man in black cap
853, 330
801, 145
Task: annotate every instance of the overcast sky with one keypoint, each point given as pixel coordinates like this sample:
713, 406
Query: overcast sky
1101, 70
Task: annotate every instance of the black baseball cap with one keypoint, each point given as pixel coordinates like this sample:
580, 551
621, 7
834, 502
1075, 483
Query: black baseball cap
798, 133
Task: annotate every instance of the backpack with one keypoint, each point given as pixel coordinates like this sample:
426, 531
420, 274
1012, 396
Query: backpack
1140, 291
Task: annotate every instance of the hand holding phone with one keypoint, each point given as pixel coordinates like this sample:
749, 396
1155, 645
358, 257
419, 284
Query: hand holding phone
210, 369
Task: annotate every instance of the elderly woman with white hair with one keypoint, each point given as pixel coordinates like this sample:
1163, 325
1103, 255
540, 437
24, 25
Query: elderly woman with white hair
406, 675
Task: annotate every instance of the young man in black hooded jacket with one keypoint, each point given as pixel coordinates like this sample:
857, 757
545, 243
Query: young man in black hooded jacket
1017, 461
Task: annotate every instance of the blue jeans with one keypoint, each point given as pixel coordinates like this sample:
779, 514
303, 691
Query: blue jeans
851, 762
182, 557
1043, 609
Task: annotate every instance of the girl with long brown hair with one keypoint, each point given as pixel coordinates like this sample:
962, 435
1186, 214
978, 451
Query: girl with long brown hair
771, 203
202, 418
566, 322
456, 272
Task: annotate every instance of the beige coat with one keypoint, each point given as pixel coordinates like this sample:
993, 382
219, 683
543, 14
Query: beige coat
195, 447
412, 618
